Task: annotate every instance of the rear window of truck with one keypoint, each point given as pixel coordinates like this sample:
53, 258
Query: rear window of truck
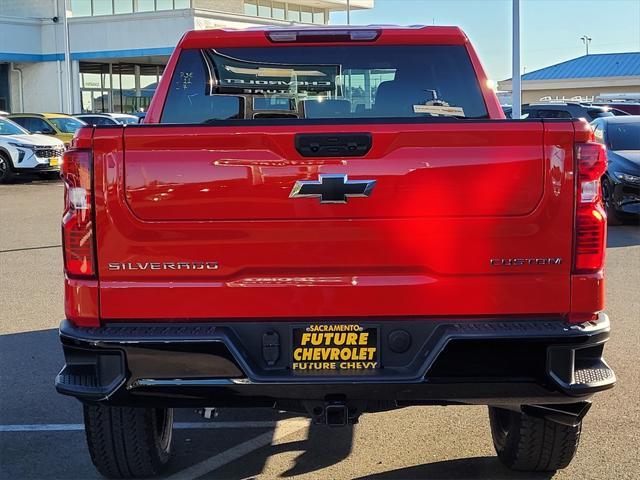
333, 82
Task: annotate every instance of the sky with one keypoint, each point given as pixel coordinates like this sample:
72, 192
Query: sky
550, 29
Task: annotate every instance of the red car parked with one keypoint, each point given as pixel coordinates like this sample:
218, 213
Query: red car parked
333, 222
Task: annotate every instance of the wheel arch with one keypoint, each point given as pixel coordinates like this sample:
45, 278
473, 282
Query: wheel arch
5, 153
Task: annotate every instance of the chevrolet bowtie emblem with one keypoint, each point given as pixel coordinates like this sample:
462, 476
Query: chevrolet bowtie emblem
332, 188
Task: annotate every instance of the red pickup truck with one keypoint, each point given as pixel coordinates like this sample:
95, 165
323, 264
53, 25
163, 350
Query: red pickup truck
331, 222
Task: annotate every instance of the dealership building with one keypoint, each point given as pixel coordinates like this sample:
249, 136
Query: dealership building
117, 49
585, 78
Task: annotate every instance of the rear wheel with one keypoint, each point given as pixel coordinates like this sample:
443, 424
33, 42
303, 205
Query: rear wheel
126, 442
532, 444
5, 169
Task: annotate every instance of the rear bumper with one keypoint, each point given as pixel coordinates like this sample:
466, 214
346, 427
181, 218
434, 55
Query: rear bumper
491, 362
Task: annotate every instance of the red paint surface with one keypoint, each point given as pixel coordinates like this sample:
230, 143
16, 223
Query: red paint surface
449, 197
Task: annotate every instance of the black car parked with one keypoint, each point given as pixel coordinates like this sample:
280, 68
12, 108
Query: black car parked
621, 181
566, 110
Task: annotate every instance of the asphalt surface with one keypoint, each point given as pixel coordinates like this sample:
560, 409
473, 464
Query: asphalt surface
429, 442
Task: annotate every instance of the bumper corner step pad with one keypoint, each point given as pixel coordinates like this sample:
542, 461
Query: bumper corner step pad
88, 381
593, 376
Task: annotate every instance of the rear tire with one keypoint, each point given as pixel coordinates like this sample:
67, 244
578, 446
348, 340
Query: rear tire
532, 444
126, 442
6, 174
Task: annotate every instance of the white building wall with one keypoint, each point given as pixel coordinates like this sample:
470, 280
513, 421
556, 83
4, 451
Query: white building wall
206, 20
129, 32
94, 34
41, 87
231, 6
29, 8
22, 36
52, 38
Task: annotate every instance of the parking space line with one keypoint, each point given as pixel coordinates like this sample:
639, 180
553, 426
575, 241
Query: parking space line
283, 429
69, 427
43, 427
24, 249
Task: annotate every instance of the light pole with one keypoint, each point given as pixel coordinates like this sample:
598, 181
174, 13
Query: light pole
348, 12
516, 95
586, 40
67, 60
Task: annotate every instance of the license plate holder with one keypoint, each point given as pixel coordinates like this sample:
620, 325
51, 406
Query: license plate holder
329, 348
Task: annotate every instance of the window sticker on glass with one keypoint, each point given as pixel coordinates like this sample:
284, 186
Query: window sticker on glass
185, 79
445, 110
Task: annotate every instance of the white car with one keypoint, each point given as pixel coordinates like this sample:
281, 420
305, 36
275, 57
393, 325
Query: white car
24, 152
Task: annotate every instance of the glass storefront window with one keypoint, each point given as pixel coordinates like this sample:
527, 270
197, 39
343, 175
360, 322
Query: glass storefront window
95, 75
251, 8
264, 8
87, 8
118, 87
95, 82
278, 10
146, 6
293, 13
126, 74
122, 6
102, 7
164, 4
282, 11
81, 8
95, 101
148, 81
91, 80
318, 16
306, 15
124, 87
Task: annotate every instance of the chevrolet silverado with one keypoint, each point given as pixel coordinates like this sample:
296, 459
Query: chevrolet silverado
332, 222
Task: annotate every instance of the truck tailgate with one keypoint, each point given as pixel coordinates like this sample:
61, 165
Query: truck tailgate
466, 217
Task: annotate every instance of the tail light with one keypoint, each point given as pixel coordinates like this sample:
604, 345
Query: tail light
591, 219
77, 221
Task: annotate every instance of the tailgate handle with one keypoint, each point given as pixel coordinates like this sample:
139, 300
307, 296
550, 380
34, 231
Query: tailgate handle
333, 144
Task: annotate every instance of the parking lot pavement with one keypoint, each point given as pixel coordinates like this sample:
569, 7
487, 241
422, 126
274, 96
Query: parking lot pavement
41, 435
